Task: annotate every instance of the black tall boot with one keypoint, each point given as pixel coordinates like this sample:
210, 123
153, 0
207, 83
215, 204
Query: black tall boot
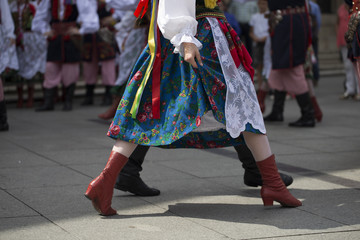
69, 94
89, 95
107, 99
252, 176
4, 126
307, 118
277, 111
49, 100
129, 178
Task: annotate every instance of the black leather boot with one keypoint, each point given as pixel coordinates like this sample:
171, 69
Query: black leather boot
49, 100
252, 176
307, 118
107, 99
69, 94
129, 178
4, 126
89, 95
277, 111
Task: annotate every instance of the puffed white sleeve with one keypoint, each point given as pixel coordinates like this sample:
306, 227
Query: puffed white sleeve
177, 22
42, 18
6, 20
88, 16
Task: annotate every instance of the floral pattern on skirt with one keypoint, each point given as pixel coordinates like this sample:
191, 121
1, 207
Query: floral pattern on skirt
186, 95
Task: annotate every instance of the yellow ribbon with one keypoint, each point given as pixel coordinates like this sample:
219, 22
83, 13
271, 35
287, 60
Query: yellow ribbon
152, 47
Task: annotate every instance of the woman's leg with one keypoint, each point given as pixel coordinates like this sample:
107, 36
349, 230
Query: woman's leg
273, 188
100, 190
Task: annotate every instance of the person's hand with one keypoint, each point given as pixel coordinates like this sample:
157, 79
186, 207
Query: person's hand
190, 53
49, 34
73, 31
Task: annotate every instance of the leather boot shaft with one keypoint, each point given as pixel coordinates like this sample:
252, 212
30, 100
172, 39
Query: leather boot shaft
307, 118
49, 100
277, 112
69, 94
89, 95
4, 126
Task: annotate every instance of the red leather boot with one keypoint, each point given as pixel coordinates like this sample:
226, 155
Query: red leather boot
273, 188
100, 190
261, 95
317, 111
110, 113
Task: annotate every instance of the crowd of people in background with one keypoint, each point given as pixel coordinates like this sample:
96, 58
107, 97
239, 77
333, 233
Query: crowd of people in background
55, 41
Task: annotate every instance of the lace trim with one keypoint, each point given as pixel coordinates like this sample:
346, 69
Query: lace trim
241, 106
8, 57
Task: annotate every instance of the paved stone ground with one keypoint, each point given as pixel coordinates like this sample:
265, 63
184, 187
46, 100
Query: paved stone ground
47, 160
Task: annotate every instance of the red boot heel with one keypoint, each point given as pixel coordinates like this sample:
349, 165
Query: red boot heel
268, 201
100, 190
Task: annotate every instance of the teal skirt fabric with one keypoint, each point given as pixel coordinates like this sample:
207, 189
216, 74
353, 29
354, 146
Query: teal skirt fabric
186, 95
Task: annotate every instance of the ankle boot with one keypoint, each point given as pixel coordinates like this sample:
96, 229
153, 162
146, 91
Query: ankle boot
307, 118
100, 190
69, 94
89, 95
30, 100
252, 176
129, 178
277, 111
318, 112
107, 99
4, 126
20, 93
261, 95
49, 99
110, 113
273, 188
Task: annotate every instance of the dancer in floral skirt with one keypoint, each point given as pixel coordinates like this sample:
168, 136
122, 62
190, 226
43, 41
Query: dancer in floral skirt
191, 87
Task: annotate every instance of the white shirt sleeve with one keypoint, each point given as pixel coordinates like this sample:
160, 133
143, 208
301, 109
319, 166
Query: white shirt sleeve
7, 23
177, 22
42, 18
88, 16
123, 5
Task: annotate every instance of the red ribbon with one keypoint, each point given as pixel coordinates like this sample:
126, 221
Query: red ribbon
239, 52
156, 76
143, 6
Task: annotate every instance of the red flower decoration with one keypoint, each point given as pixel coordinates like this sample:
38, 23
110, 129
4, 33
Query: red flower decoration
198, 121
214, 54
147, 107
115, 129
211, 100
222, 86
141, 117
214, 90
138, 76
207, 26
211, 144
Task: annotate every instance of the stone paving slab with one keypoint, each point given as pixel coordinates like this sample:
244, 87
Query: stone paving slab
47, 160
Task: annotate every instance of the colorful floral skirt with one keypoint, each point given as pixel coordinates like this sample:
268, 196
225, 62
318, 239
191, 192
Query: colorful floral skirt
187, 94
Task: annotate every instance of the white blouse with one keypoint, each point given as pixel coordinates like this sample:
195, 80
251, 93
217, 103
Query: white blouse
7, 24
87, 16
177, 22
123, 5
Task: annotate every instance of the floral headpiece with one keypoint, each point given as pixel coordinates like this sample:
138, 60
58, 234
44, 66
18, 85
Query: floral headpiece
211, 3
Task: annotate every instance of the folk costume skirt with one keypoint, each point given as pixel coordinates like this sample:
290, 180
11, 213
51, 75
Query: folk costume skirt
207, 107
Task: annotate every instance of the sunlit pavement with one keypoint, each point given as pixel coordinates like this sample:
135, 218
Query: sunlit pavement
48, 159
